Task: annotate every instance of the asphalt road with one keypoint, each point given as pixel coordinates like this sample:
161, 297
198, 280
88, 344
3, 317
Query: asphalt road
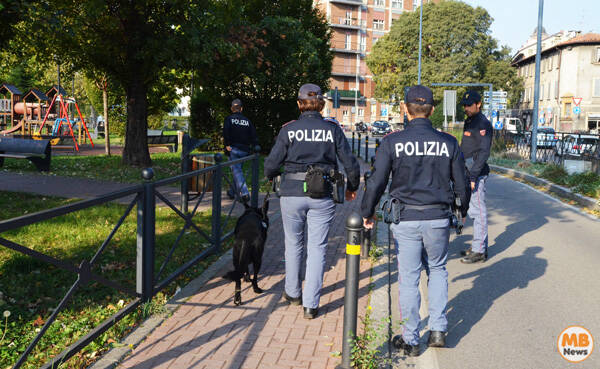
542, 276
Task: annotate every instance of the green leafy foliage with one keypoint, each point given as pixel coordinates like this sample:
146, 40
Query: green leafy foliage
457, 48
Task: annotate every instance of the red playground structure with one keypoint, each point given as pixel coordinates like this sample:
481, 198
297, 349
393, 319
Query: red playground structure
62, 104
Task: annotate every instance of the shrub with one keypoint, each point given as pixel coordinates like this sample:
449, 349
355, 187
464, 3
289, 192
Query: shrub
555, 173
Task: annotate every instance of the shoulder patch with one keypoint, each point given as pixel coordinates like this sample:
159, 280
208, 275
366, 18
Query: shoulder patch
467, 133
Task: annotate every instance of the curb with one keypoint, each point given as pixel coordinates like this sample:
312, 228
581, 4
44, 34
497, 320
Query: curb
564, 192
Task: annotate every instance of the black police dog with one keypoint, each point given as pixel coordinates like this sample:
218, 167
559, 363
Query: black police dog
250, 236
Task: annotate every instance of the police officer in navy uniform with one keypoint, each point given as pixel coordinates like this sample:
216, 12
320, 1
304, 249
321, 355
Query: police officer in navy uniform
476, 145
300, 146
240, 138
424, 164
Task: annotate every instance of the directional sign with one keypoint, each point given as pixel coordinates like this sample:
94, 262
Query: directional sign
494, 114
541, 120
496, 93
576, 110
577, 100
498, 124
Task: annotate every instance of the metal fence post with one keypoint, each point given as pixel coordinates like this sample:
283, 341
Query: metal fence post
146, 238
255, 174
184, 183
216, 202
352, 141
366, 148
358, 146
354, 240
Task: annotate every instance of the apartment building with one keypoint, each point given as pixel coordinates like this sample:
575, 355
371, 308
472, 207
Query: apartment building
356, 26
569, 97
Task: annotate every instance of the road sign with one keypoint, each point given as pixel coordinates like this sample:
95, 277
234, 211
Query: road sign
450, 102
541, 120
577, 100
496, 93
498, 124
384, 112
576, 110
494, 114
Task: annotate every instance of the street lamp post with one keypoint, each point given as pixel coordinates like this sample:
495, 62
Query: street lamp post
420, 42
536, 94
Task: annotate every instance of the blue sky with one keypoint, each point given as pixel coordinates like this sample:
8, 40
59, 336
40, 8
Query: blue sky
515, 20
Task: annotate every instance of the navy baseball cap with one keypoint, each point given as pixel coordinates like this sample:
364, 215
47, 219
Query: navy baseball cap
471, 97
310, 91
236, 102
420, 95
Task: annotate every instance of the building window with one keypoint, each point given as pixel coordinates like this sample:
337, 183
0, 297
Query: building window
363, 43
348, 44
567, 110
375, 39
541, 91
397, 4
548, 91
379, 3
345, 113
415, 4
593, 125
556, 95
378, 24
597, 58
597, 87
373, 111
361, 112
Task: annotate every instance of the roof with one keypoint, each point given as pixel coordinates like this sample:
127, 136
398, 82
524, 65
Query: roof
52, 91
37, 93
588, 38
12, 89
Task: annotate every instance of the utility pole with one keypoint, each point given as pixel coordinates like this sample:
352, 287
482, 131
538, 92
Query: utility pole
536, 95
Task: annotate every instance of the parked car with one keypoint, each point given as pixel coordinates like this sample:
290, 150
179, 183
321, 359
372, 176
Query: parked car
546, 137
576, 145
381, 127
513, 125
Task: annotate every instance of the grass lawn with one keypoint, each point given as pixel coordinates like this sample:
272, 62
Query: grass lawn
109, 168
31, 289
587, 183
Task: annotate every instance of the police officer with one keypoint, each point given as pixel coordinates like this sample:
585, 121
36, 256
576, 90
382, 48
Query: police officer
423, 162
239, 136
476, 145
309, 144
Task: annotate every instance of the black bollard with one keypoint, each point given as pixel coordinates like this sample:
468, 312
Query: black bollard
367, 149
354, 240
352, 141
358, 147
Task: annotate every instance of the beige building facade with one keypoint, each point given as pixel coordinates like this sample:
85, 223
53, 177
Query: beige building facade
569, 99
356, 26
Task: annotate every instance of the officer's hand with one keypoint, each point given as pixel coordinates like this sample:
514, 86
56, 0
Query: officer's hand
368, 223
350, 195
228, 148
472, 185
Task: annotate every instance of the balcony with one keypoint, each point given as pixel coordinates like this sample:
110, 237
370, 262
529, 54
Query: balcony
348, 23
346, 47
344, 70
350, 2
345, 95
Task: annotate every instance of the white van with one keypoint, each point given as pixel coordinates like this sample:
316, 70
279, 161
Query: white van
513, 125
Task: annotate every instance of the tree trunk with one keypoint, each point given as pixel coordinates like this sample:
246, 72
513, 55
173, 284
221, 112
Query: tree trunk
106, 125
136, 151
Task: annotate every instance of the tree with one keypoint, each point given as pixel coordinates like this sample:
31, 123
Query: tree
268, 51
131, 42
457, 48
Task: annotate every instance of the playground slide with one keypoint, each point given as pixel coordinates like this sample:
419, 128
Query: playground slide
13, 129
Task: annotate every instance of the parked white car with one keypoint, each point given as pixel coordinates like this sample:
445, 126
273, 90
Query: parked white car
576, 145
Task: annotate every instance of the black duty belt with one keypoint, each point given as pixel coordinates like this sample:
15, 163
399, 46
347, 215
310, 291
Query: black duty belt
298, 176
426, 207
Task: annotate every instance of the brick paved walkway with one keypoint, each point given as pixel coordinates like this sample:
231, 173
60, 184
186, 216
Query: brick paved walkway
209, 331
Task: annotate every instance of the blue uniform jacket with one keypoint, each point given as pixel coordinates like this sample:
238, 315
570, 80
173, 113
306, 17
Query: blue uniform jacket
476, 143
310, 140
423, 162
239, 132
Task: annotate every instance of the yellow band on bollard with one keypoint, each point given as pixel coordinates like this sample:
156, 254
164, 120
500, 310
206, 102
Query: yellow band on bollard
352, 249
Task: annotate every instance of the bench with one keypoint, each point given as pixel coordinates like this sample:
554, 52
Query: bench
156, 138
36, 151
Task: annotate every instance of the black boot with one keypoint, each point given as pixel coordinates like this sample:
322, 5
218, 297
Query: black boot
436, 339
474, 257
409, 350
